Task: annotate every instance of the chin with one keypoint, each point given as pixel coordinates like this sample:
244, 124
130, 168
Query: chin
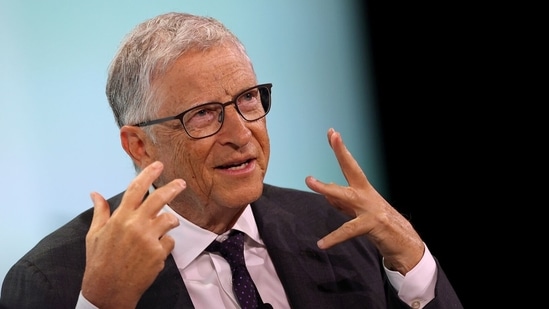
244, 195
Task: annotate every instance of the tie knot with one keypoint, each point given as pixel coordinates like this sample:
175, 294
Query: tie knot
232, 249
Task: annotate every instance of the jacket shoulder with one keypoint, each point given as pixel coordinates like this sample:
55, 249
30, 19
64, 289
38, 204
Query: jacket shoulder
49, 275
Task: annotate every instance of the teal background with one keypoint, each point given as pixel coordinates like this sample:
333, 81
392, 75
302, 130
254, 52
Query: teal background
58, 137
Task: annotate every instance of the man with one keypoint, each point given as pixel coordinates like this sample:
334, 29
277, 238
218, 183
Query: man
192, 119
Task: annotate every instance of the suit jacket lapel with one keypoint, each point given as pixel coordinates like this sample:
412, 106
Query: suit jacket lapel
300, 265
168, 290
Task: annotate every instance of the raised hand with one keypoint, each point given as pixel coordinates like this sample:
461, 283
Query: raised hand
126, 251
374, 217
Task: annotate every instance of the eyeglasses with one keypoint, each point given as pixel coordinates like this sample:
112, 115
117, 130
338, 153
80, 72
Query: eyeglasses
206, 119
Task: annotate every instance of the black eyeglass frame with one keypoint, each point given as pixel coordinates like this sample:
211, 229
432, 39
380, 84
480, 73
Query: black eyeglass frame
221, 119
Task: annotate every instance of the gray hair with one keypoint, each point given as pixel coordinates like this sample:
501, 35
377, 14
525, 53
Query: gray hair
148, 51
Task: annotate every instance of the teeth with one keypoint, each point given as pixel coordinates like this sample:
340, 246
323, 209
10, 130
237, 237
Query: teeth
238, 167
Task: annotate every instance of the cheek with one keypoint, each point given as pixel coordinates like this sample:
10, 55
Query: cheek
262, 138
172, 151
266, 146
188, 161
264, 135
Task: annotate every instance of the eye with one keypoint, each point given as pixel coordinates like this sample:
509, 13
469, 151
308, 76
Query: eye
202, 116
250, 95
249, 100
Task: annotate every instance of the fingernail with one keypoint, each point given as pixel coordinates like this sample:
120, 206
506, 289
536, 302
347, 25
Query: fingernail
320, 244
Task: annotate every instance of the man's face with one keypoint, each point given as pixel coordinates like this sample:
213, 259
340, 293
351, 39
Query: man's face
225, 170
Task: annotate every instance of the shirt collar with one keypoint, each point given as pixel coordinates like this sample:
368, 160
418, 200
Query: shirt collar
186, 251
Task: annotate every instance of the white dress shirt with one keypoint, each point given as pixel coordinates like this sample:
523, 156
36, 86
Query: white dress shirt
207, 276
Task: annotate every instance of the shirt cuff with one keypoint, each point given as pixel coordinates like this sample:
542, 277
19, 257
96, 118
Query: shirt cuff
83, 303
417, 288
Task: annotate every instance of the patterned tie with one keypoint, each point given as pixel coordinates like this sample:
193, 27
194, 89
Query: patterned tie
232, 249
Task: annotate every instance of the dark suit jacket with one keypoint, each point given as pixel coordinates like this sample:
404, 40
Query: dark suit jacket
349, 275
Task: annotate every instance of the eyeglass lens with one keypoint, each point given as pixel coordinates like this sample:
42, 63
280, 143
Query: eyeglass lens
207, 119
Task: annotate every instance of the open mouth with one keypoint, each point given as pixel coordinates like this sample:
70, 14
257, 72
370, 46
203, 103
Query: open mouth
234, 167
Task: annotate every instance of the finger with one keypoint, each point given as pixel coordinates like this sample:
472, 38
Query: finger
101, 212
346, 231
162, 196
321, 187
168, 243
139, 186
341, 198
163, 223
349, 166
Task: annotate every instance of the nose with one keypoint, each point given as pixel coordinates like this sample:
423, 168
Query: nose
234, 129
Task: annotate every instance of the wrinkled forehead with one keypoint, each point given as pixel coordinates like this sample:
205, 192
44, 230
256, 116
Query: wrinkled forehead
200, 76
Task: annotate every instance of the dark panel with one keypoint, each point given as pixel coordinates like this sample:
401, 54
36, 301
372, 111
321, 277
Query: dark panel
426, 82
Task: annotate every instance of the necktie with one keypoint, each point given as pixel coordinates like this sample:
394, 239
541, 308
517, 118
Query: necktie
232, 249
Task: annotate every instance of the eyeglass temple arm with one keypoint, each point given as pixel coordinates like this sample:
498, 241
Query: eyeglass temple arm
148, 123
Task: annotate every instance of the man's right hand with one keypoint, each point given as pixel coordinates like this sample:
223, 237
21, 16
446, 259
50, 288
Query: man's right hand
126, 251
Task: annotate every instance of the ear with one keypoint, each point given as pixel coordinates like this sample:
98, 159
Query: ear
136, 144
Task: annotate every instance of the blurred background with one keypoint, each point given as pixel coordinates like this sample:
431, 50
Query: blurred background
383, 75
